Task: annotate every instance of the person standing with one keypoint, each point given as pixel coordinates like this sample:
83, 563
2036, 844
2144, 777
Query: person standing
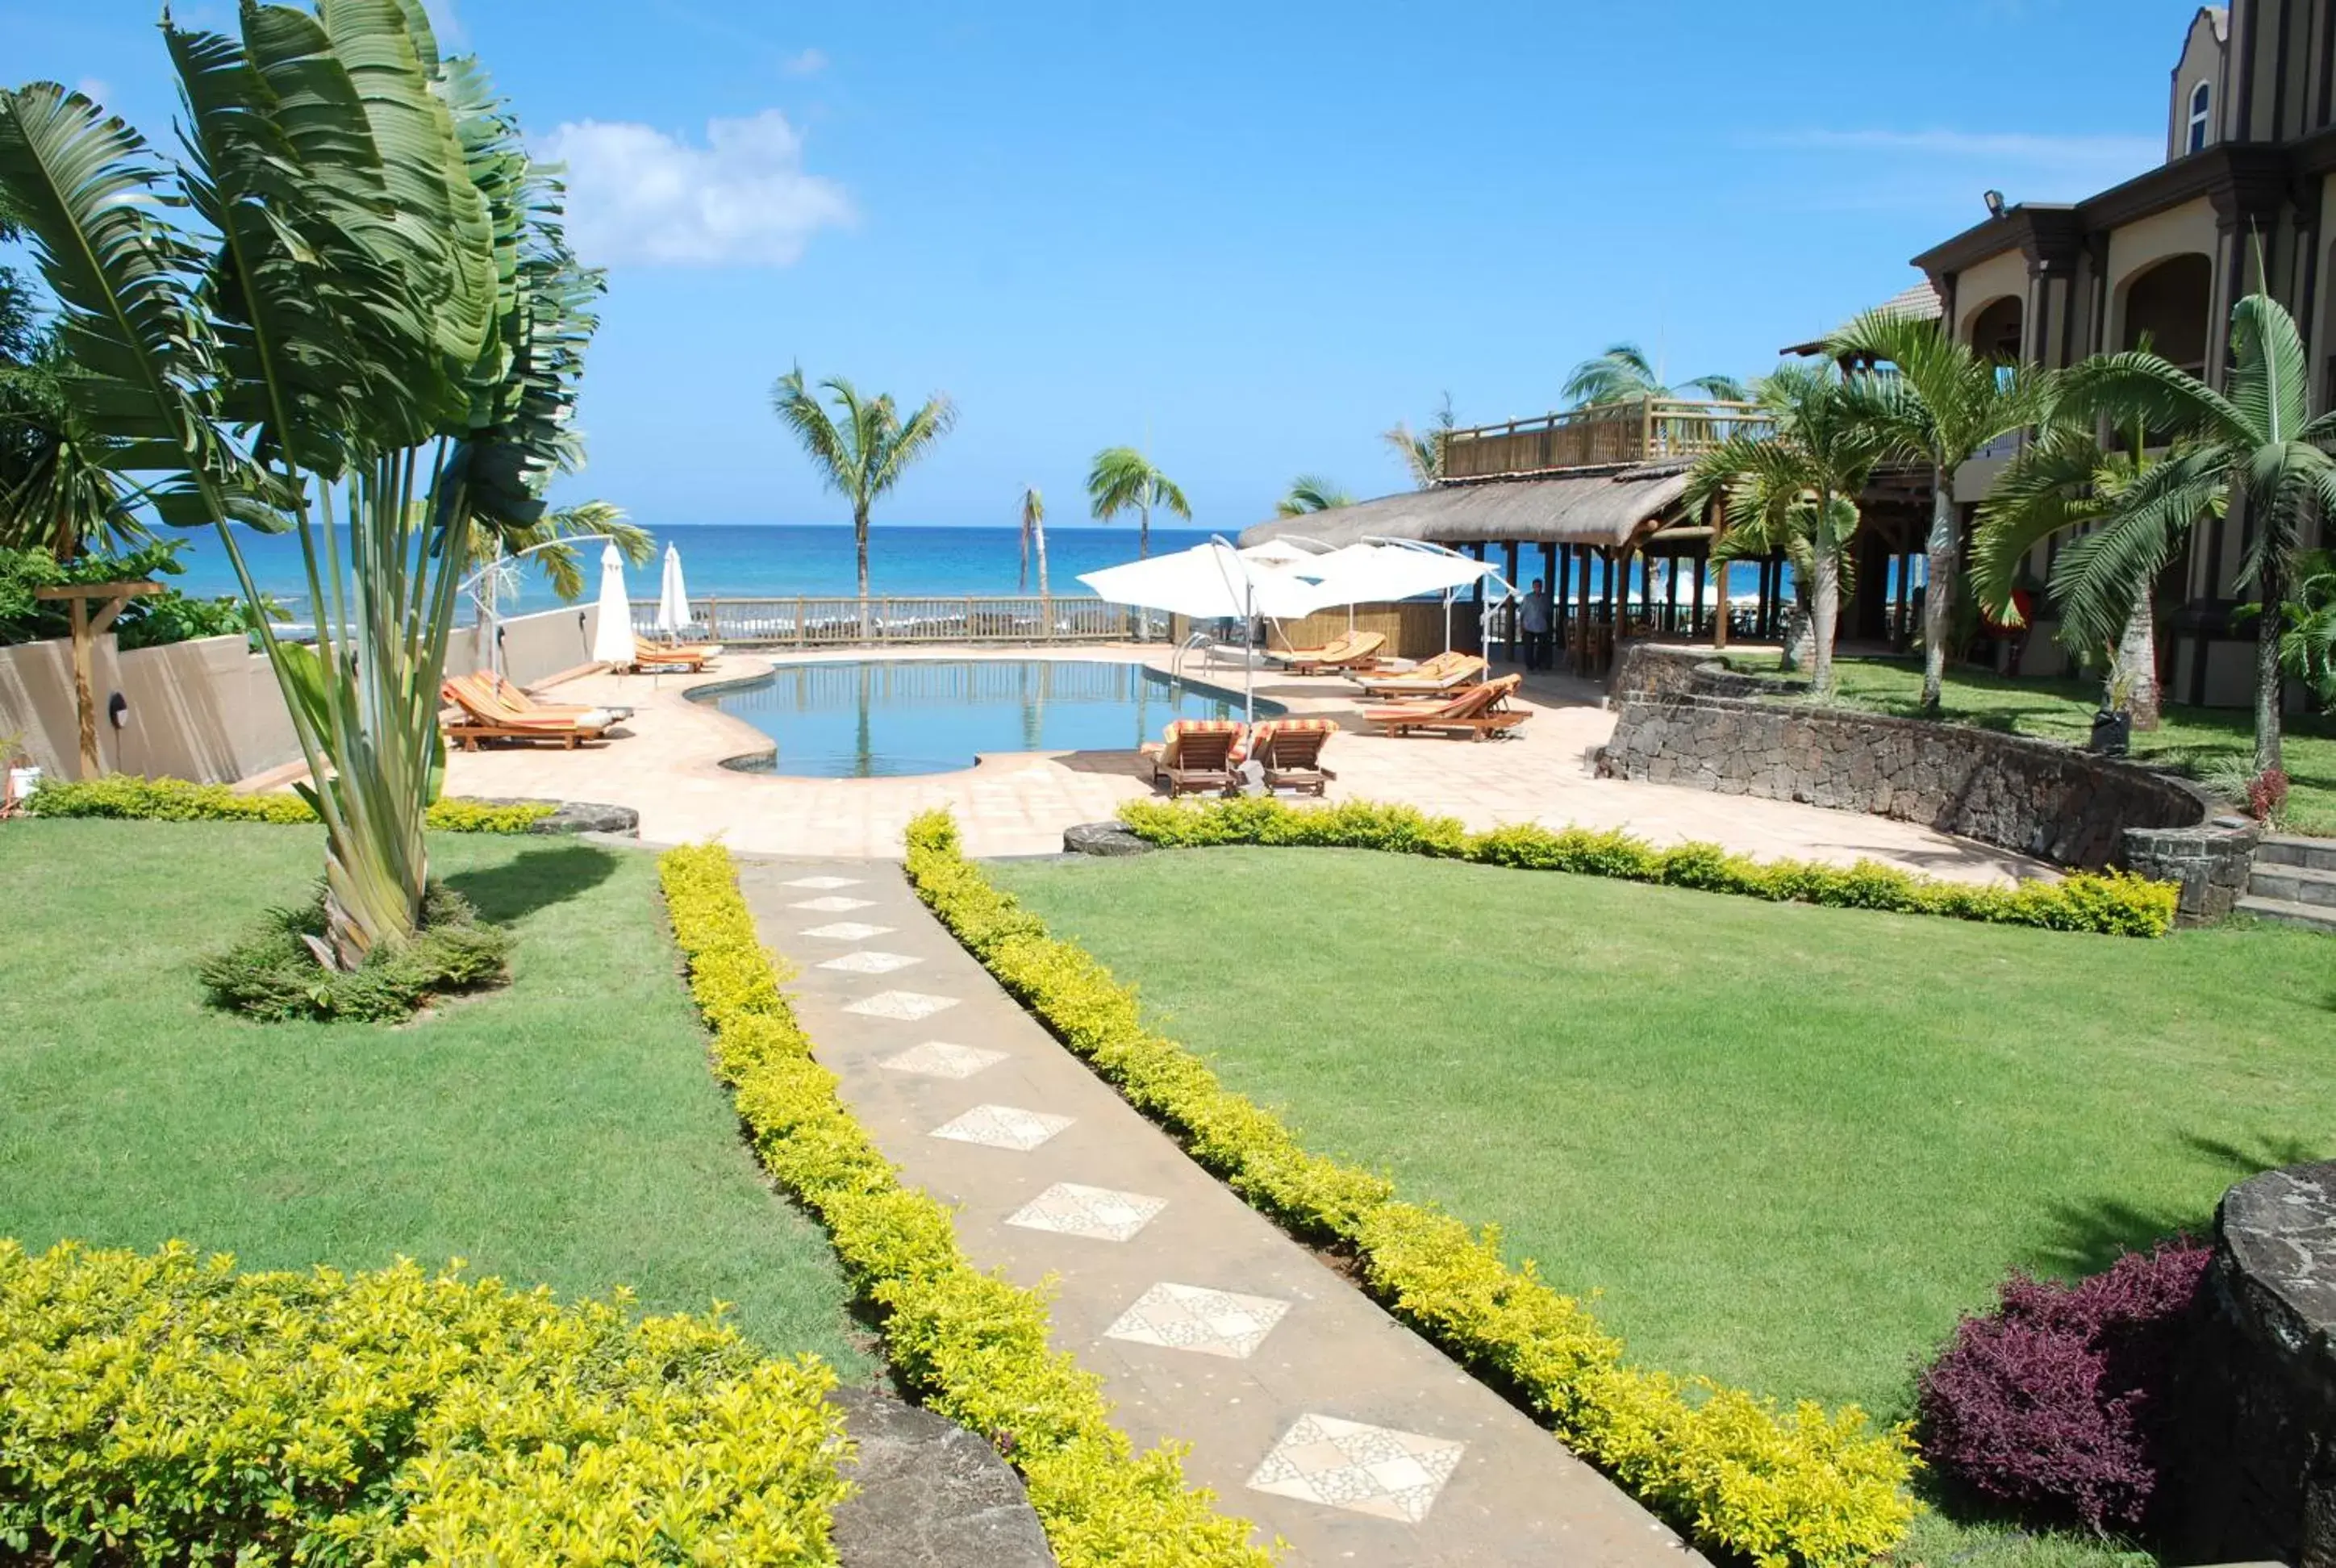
1536, 615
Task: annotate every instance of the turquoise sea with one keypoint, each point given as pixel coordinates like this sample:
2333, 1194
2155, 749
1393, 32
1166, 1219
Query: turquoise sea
775, 561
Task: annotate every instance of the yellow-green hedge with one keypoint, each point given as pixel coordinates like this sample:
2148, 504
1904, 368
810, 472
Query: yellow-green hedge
2111, 903
176, 800
1780, 1487
164, 1408
973, 1344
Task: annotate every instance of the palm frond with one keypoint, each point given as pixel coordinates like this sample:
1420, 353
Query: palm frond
2137, 387
804, 417
910, 439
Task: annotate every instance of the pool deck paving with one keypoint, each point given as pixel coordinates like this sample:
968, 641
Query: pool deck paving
1310, 1410
665, 762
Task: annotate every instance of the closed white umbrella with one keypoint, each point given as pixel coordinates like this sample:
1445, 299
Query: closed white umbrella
612, 639
673, 596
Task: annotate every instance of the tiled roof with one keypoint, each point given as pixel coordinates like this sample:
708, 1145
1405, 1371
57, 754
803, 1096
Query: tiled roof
1921, 302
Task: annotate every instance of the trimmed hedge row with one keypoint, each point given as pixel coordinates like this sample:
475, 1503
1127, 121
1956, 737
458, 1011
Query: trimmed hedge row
164, 1408
2109, 903
174, 799
973, 1344
1779, 1487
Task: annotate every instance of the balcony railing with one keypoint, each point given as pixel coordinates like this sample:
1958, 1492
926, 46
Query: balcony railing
814, 621
1605, 435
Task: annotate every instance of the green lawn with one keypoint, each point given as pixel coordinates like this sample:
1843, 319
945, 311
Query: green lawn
565, 1131
2191, 738
1787, 1145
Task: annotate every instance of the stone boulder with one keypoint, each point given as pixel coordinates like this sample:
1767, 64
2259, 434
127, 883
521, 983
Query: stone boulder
1102, 839
930, 1495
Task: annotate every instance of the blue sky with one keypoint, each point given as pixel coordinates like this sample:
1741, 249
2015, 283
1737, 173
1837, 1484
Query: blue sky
1248, 236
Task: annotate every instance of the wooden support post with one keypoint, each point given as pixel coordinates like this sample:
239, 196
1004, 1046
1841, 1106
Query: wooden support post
1719, 537
1695, 610
1509, 570
110, 598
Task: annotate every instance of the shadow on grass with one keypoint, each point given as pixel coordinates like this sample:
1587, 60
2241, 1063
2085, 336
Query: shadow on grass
2090, 1236
534, 880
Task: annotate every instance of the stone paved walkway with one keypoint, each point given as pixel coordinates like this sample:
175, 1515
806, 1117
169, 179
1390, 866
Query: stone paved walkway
1310, 1410
667, 766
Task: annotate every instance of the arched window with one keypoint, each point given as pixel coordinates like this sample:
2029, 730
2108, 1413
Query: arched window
2202, 110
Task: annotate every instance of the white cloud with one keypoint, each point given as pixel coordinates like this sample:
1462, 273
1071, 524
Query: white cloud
810, 62
637, 195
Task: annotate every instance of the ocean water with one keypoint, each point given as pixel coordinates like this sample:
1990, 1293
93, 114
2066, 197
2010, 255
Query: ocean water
774, 561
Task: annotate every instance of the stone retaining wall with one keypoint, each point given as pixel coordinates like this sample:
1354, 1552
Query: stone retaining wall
1684, 721
2256, 1422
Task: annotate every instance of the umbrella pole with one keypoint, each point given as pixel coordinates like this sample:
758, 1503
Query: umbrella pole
1249, 656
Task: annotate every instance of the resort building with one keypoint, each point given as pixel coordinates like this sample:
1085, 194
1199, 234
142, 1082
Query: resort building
2246, 197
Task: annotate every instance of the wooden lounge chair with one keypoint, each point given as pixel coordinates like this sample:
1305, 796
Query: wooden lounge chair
482, 713
1196, 754
688, 657
1330, 649
1290, 752
1480, 712
493, 690
1360, 651
1436, 678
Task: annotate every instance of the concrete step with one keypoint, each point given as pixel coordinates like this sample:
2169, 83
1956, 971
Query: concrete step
2293, 884
2289, 850
2314, 917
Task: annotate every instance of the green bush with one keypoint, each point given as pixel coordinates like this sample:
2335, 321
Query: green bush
1775, 1488
162, 1408
2110, 903
149, 621
273, 975
175, 800
973, 1344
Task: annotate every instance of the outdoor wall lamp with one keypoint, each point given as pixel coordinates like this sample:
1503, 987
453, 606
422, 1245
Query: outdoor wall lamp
1994, 200
117, 710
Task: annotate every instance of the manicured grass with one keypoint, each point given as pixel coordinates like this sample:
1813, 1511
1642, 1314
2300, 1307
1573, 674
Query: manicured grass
567, 1130
1786, 1145
2191, 738
1789, 1144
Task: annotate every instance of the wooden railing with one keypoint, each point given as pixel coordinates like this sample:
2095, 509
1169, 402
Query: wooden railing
1605, 435
814, 621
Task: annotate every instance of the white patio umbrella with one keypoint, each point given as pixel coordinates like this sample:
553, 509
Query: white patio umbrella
612, 639
673, 596
1380, 571
1210, 582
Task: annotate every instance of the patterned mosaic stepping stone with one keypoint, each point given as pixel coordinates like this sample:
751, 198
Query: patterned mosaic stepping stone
940, 1059
1194, 1318
870, 962
1373, 1470
905, 1006
1099, 1213
848, 931
1002, 1127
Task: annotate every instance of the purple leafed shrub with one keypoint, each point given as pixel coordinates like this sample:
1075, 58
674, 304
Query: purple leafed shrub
2057, 1400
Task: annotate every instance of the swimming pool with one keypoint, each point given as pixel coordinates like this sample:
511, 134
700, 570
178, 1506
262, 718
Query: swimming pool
888, 718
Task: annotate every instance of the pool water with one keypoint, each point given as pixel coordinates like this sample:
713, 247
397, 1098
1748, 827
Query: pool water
888, 718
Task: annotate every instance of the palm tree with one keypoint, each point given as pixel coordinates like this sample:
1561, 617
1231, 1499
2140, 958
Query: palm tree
1773, 517
1824, 442
867, 454
58, 489
1624, 373
2307, 645
2256, 449
377, 330
1422, 450
1939, 404
549, 538
1311, 492
1034, 539
1124, 480
2065, 482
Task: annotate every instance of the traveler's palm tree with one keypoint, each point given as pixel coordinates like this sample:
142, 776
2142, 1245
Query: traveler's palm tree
1624, 373
2065, 483
2255, 448
1939, 404
863, 453
1823, 444
1310, 492
377, 331
1422, 450
1034, 539
1124, 480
